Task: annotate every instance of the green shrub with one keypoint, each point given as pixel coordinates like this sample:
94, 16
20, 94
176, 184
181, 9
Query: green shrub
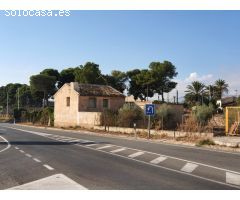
205, 142
203, 113
18, 113
44, 116
47, 116
165, 117
109, 118
129, 114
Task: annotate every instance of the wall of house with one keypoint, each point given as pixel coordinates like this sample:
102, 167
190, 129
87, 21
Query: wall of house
89, 119
114, 103
78, 113
66, 116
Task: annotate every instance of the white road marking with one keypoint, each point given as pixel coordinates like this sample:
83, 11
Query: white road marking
28, 155
22, 151
17, 148
8, 144
35, 159
48, 167
202, 164
89, 145
104, 147
55, 182
134, 155
232, 178
77, 140
118, 150
66, 139
189, 167
158, 160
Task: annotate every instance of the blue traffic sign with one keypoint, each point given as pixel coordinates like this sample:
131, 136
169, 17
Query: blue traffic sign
149, 109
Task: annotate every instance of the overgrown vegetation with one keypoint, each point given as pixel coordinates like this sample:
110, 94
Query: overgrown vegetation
203, 113
205, 142
42, 116
130, 114
165, 117
198, 120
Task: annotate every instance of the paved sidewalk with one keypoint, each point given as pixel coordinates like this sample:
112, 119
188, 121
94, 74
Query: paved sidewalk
229, 141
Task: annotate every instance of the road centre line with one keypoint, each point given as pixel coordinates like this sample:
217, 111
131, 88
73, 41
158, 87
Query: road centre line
35, 159
28, 155
197, 163
17, 148
48, 167
22, 151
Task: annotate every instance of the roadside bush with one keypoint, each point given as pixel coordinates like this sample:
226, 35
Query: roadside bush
205, 142
165, 117
47, 116
18, 113
129, 114
43, 117
203, 113
109, 118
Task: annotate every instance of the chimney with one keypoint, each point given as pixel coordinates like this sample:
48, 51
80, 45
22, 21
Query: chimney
75, 86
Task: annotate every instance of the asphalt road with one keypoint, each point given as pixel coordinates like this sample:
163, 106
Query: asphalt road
103, 162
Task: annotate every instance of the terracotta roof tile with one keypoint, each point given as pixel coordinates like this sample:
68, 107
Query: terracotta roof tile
98, 90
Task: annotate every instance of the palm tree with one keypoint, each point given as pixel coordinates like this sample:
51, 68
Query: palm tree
195, 92
221, 87
211, 91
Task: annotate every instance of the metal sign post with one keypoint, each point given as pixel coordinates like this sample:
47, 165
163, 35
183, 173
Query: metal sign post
149, 111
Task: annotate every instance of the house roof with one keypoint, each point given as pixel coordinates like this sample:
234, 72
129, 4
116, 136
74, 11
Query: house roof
228, 100
98, 90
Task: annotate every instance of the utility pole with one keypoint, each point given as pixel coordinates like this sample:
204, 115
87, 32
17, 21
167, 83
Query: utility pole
236, 92
174, 99
7, 103
147, 92
18, 100
209, 98
177, 96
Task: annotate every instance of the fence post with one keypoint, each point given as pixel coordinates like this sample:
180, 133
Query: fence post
135, 130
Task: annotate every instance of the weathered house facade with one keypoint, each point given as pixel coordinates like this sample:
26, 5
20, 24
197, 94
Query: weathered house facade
82, 104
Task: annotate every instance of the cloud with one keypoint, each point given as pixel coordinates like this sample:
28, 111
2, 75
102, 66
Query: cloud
195, 77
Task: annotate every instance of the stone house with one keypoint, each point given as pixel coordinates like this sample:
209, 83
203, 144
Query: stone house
82, 104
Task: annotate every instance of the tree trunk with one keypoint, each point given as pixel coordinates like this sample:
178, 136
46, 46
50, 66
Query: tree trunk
162, 96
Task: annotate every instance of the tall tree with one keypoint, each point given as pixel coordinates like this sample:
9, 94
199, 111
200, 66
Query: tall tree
221, 88
44, 84
89, 73
139, 84
51, 72
195, 92
116, 80
162, 75
66, 76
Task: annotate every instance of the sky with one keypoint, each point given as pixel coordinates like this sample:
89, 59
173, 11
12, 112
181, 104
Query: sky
203, 45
